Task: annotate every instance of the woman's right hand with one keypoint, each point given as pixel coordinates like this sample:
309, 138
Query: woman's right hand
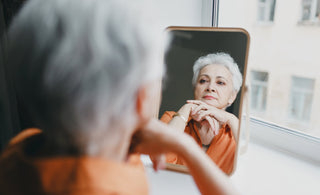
156, 138
186, 109
179, 122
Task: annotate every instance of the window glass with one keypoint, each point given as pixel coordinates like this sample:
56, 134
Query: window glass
259, 86
284, 60
310, 10
301, 98
318, 10
266, 10
306, 9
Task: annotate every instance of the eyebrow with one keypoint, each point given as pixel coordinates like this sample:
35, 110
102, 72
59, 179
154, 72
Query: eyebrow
204, 75
219, 77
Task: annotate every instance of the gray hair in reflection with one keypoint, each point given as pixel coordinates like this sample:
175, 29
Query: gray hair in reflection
79, 64
220, 58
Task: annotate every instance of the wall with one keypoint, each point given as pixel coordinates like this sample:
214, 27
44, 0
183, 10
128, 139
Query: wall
178, 12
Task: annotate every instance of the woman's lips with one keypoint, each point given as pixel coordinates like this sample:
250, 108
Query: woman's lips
209, 97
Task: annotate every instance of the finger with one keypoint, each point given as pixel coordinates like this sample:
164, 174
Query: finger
211, 123
202, 114
199, 116
195, 116
197, 102
198, 108
213, 127
217, 127
159, 162
217, 114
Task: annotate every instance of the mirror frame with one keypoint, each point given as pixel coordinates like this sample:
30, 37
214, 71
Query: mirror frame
184, 169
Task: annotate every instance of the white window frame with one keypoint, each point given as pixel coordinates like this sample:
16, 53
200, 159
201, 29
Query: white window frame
267, 6
210, 13
207, 12
313, 9
302, 92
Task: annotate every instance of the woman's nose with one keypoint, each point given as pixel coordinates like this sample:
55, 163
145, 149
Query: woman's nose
211, 87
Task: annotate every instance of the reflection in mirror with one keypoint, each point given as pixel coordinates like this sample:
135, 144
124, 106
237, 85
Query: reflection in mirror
202, 92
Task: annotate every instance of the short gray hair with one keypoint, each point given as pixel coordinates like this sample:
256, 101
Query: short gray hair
79, 64
220, 58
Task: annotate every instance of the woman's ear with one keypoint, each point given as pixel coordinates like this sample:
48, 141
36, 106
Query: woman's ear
148, 100
141, 103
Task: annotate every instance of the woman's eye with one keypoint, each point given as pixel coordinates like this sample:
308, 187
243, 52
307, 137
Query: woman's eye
221, 83
202, 81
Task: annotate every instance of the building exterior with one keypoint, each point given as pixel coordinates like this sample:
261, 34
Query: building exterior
284, 59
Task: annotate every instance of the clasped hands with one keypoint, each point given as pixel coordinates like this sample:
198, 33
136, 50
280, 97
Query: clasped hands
209, 117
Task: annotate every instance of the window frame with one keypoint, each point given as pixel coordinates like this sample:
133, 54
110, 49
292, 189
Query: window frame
302, 92
313, 18
268, 5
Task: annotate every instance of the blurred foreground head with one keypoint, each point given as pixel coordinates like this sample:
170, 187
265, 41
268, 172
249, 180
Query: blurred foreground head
79, 65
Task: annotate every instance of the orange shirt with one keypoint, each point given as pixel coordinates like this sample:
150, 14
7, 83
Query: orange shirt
221, 149
21, 172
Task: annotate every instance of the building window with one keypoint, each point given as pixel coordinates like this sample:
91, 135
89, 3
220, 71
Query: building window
266, 10
259, 87
310, 10
301, 98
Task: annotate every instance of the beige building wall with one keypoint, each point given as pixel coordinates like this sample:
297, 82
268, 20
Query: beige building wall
283, 48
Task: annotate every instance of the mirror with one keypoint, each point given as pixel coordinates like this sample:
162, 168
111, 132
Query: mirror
215, 87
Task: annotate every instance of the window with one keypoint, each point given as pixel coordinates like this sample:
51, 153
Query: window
282, 50
287, 54
310, 10
266, 10
259, 85
301, 98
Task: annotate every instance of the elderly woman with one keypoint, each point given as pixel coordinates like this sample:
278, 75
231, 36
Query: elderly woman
216, 82
88, 71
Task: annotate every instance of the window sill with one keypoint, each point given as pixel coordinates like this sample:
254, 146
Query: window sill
264, 171
286, 140
309, 23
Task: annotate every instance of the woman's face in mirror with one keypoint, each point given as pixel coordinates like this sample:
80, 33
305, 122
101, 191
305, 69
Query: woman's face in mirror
214, 86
